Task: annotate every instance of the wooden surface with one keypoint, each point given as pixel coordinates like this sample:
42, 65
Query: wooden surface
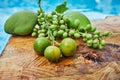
20, 62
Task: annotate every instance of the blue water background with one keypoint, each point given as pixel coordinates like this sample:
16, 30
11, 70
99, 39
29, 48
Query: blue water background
93, 9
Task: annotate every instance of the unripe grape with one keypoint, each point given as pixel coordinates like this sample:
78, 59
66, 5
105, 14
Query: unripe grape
102, 42
76, 23
42, 19
39, 20
88, 27
89, 36
81, 28
41, 15
49, 16
62, 27
61, 21
55, 22
95, 45
84, 35
93, 29
89, 43
39, 11
106, 33
97, 32
65, 19
55, 33
95, 41
53, 12
77, 35
100, 46
95, 36
41, 35
71, 32
34, 34
53, 26
65, 34
35, 30
84, 39
60, 32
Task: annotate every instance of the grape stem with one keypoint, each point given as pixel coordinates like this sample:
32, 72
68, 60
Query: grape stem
39, 2
50, 35
114, 33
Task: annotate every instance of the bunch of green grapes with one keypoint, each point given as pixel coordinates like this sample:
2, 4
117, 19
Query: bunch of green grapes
54, 25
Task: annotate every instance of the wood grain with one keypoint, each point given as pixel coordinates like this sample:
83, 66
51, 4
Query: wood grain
19, 61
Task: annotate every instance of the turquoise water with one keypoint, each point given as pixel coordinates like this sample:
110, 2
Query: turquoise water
93, 9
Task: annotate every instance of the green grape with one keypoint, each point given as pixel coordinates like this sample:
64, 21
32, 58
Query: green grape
89, 36
55, 33
39, 11
95, 45
76, 35
42, 19
76, 23
100, 46
95, 41
49, 16
90, 43
53, 26
97, 32
106, 33
43, 30
63, 27
53, 12
65, 19
39, 23
41, 15
34, 34
88, 27
41, 35
35, 30
43, 23
55, 22
81, 28
39, 31
65, 34
95, 36
39, 20
60, 15
102, 42
84, 39
71, 32
67, 30
55, 19
60, 32
42, 26
93, 29
61, 21
84, 35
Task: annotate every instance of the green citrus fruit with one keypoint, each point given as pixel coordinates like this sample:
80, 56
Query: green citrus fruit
40, 45
68, 47
52, 53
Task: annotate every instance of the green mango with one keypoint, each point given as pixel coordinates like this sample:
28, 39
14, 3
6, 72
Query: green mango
21, 23
72, 16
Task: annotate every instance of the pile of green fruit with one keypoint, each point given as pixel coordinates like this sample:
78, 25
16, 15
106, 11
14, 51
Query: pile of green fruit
56, 24
66, 48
